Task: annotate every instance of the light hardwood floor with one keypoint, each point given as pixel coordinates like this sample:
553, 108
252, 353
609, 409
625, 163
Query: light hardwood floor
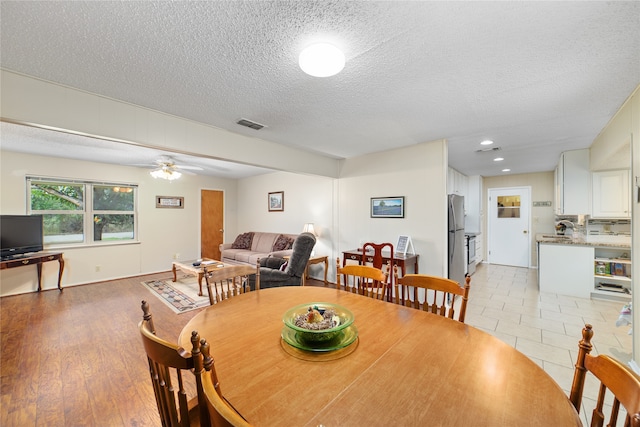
75, 358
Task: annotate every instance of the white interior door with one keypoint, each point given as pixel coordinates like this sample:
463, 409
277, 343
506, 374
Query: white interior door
509, 225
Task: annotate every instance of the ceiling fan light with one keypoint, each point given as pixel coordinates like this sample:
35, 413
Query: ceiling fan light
321, 60
165, 173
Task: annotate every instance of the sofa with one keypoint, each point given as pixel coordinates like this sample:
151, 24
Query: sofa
248, 247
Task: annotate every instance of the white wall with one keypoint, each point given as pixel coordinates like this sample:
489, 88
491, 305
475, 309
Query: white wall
340, 209
419, 174
610, 149
163, 232
307, 198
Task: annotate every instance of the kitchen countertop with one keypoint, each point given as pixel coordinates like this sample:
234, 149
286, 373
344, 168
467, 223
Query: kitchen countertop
599, 241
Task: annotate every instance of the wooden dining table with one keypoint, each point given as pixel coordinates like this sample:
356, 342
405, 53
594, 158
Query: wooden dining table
406, 368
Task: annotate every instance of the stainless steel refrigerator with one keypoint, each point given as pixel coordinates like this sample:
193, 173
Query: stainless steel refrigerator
456, 238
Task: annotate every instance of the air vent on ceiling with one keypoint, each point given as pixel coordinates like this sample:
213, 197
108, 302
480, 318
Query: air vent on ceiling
250, 124
487, 150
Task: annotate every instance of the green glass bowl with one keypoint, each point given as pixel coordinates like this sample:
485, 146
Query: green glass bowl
323, 335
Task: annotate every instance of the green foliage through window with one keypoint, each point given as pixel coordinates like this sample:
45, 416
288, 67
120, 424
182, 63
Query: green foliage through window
84, 212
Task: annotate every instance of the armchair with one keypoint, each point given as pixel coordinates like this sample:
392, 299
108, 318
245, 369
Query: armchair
272, 276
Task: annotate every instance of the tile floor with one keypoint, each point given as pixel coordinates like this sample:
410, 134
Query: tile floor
505, 302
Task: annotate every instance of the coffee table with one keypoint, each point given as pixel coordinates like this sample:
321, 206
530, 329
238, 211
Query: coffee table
197, 271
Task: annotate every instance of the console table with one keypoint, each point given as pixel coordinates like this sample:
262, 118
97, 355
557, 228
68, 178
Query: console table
401, 260
37, 258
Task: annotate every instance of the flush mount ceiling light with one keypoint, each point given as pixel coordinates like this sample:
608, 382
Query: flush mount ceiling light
506, 170
321, 60
486, 142
498, 159
165, 172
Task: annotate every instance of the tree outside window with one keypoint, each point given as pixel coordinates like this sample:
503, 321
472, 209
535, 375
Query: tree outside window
84, 212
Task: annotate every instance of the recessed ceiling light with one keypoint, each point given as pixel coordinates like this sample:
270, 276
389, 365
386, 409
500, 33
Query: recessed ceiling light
506, 170
486, 142
321, 60
498, 159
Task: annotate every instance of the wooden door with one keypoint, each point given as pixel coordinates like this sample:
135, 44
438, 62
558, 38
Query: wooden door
211, 223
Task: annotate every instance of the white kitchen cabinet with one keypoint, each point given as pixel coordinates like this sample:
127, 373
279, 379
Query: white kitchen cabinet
566, 269
611, 198
473, 205
479, 252
457, 183
557, 181
572, 183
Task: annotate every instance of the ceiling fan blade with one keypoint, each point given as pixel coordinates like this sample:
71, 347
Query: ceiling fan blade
195, 168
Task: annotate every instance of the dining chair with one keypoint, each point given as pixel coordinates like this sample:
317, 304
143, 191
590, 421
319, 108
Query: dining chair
363, 279
229, 281
376, 259
619, 379
221, 412
169, 362
439, 295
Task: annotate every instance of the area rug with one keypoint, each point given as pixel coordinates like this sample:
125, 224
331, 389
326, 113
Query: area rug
181, 296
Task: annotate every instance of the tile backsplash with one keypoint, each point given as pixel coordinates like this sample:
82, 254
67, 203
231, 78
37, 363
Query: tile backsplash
585, 226
612, 227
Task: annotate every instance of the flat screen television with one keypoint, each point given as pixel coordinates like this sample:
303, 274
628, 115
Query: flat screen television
20, 234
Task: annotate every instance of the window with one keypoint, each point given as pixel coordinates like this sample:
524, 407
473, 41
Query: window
77, 212
508, 206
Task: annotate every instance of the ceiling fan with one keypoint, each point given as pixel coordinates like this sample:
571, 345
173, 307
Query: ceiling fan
166, 168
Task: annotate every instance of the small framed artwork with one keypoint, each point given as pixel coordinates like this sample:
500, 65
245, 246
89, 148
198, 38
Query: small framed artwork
170, 202
276, 201
387, 207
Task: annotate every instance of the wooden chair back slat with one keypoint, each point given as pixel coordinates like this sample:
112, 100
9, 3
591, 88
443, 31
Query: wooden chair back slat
362, 279
230, 281
619, 379
378, 259
443, 292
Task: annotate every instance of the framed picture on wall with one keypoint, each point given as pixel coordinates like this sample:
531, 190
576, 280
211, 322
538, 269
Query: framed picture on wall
387, 207
169, 202
276, 201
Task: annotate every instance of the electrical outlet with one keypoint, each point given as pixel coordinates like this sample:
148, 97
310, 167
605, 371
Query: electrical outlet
98, 268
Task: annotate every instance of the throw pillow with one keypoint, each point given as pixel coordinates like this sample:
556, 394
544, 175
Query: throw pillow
282, 243
243, 241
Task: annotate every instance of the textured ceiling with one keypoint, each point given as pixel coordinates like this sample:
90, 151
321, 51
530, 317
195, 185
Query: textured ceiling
536, 77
